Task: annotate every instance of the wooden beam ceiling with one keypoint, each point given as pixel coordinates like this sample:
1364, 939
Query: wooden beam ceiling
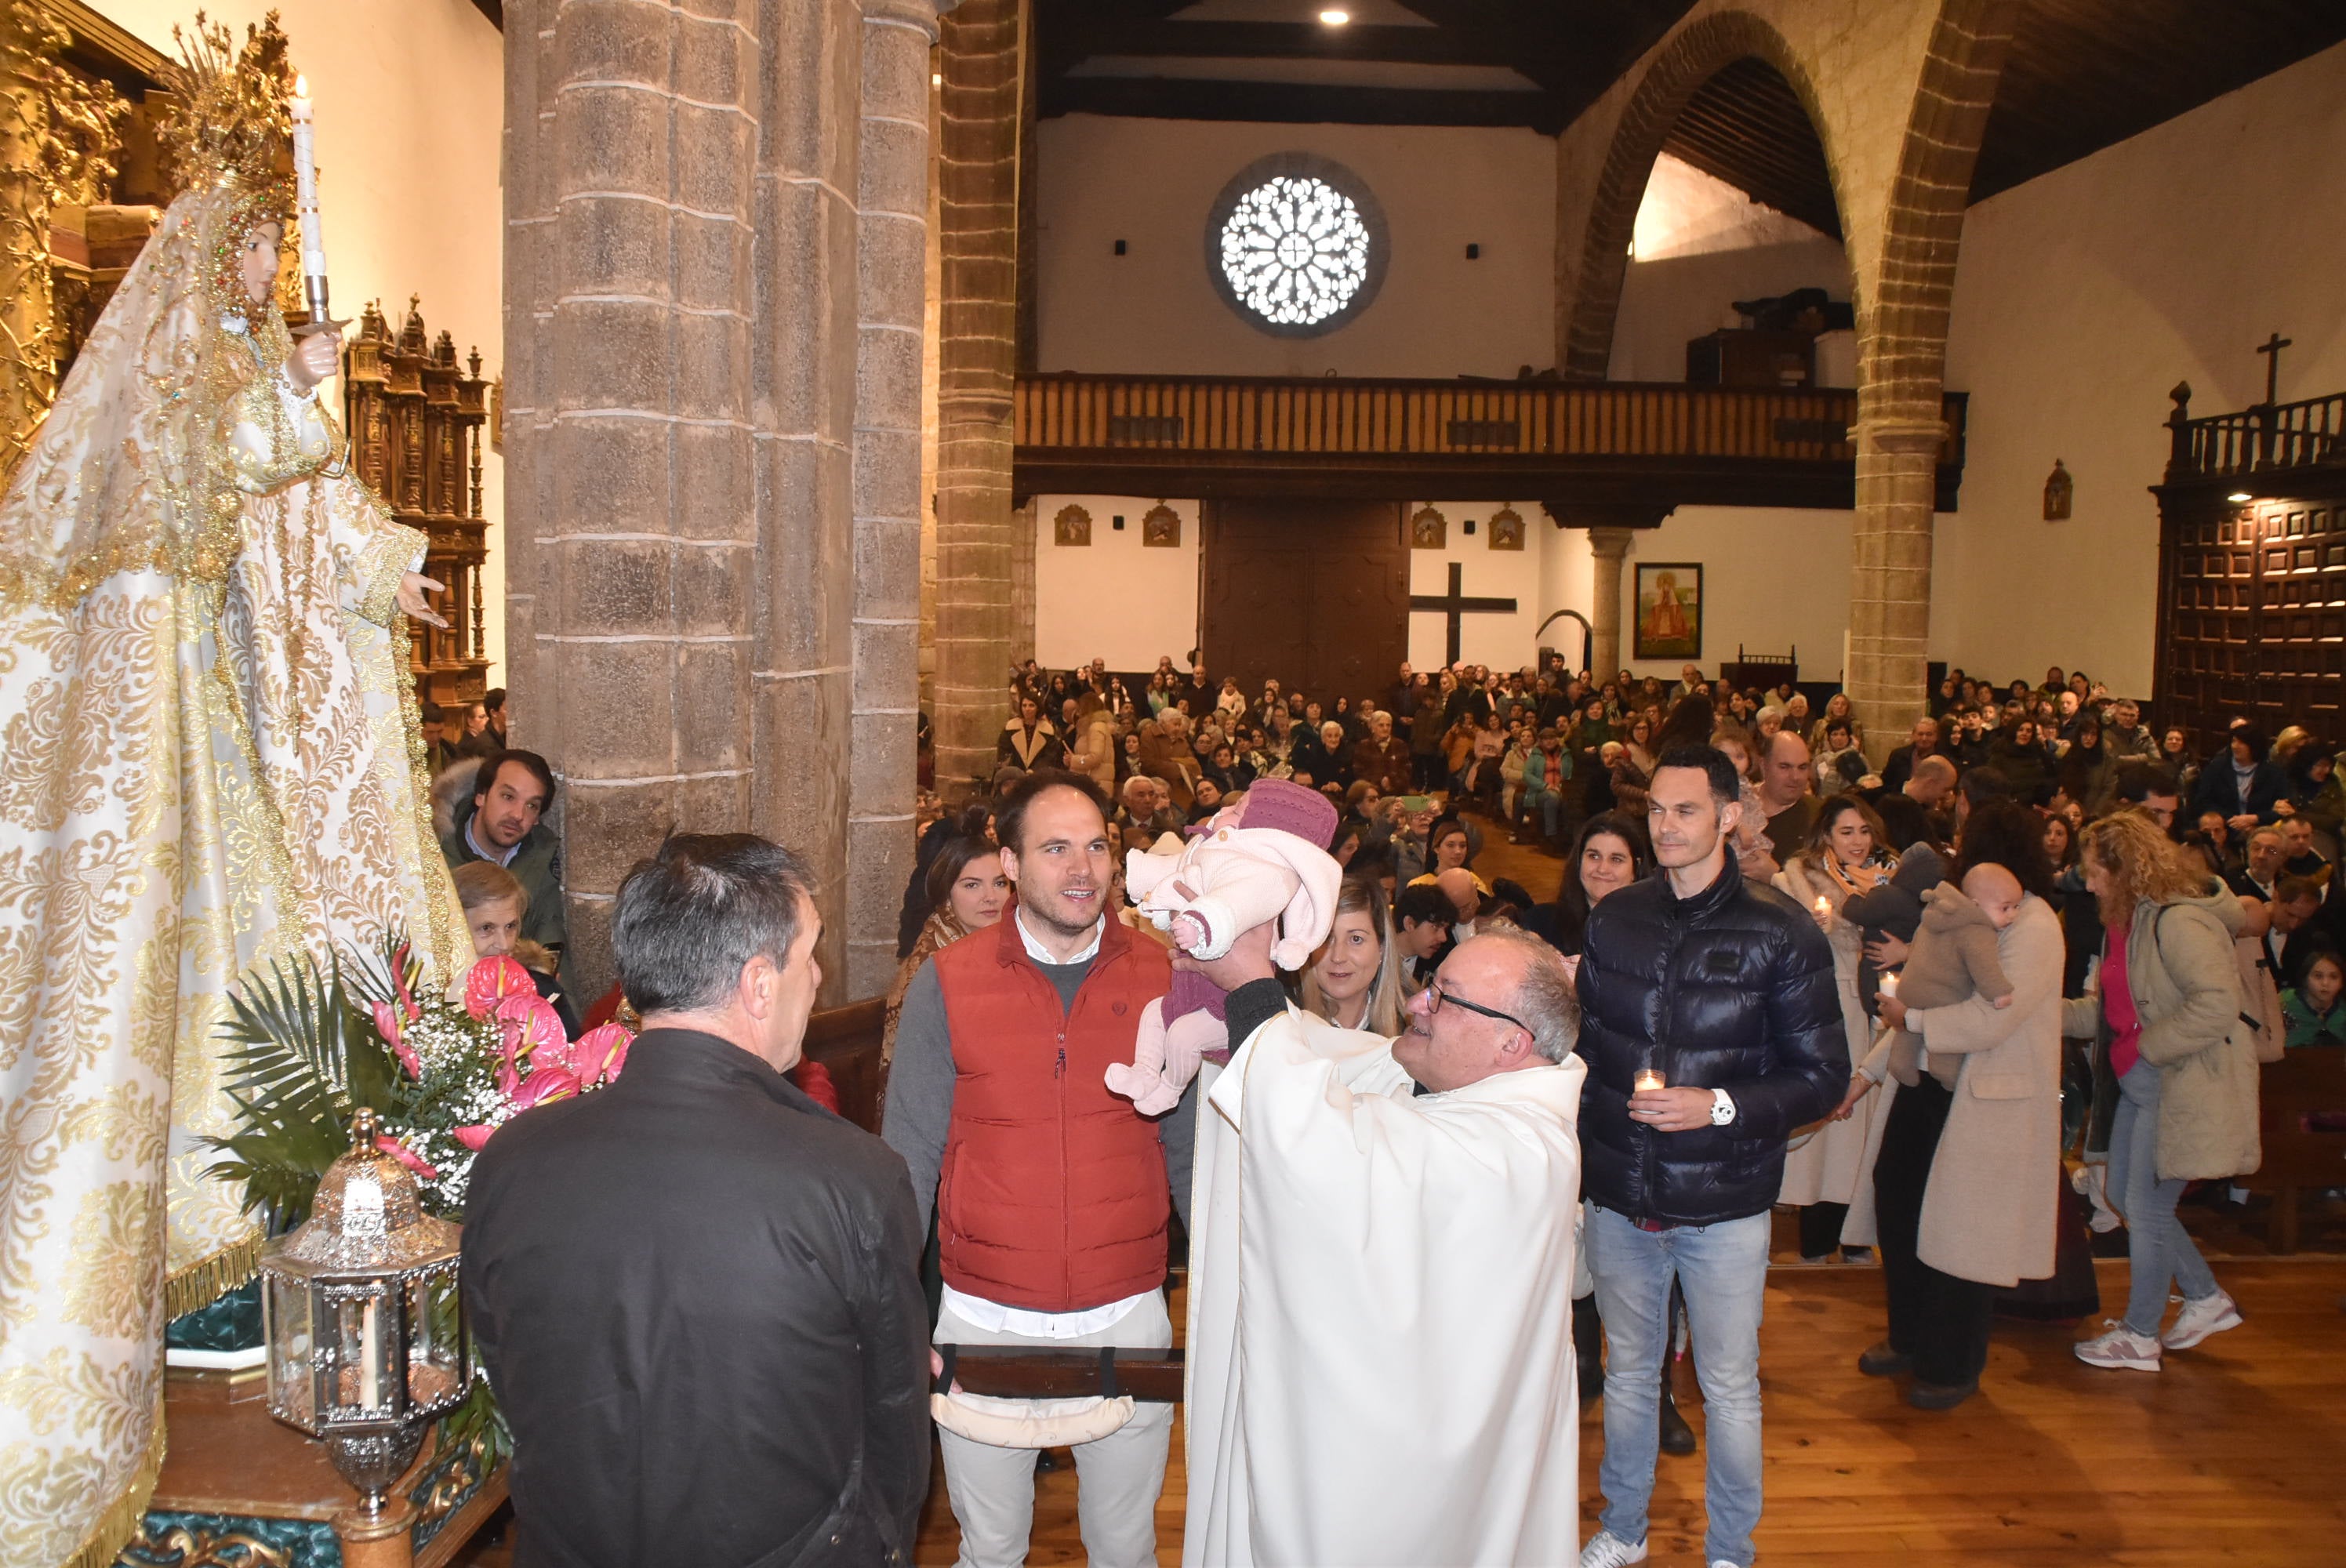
1572, 50
2082, 75
1746, 126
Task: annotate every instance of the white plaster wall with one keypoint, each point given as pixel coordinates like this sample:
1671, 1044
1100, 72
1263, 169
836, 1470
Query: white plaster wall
1113, 599
2080, 299
1152, 184
411, 107
1775, 580
1664, 303
1702, 245
1500, 640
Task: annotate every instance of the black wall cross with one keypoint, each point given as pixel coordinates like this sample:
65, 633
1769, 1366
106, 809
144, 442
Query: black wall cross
1456, 605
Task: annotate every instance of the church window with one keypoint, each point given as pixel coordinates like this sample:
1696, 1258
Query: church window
1296, 245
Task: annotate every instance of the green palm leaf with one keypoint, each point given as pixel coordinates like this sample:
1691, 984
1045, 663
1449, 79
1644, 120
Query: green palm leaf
302, 1055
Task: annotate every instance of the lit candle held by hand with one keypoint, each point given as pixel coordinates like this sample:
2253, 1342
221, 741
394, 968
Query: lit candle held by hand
1648, 1078
1888, 985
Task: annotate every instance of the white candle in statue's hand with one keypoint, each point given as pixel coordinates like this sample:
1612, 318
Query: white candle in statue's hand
305, 181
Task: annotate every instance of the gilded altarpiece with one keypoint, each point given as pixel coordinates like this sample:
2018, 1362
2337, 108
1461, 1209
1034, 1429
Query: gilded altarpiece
416, 417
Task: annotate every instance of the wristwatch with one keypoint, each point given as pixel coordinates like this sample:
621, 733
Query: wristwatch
1723, 1108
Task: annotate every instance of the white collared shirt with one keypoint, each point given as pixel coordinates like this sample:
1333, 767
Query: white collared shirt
1036, 951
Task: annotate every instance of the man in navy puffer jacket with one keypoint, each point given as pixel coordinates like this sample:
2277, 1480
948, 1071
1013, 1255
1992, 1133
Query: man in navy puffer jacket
1719, 994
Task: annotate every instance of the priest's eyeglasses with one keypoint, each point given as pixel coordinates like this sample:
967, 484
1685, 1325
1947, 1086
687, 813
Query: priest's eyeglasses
1441, 998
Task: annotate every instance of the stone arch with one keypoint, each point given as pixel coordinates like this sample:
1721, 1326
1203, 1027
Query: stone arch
1689, 60
1903, 340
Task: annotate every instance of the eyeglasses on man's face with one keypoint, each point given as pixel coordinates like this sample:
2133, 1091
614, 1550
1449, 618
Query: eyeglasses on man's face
1439, 996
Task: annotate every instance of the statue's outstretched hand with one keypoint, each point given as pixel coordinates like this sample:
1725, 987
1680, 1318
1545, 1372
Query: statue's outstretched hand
314, 358
412, 589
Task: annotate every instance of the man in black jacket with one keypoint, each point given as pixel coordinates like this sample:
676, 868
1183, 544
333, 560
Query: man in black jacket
695, 1291
1711, 1026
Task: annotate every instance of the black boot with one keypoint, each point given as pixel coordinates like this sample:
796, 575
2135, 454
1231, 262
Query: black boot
1589, 1346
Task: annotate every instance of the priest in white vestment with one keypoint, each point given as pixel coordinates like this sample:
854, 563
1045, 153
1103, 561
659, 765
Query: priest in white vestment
1380, 1364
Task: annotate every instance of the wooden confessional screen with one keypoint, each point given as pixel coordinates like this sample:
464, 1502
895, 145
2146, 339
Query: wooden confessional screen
1313, 593
2254, 617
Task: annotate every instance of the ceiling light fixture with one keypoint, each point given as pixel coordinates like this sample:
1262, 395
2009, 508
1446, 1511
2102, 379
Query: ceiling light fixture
2239, 497
1335, 18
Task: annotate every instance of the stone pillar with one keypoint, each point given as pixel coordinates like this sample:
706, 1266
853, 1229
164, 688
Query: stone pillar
713, 338
1606, 549
804, 363
977, 348
1022, 543
1890, 576
890, 294
631, 237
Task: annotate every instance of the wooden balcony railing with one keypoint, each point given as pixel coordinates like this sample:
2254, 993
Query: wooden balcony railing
2270, 435
1465, 420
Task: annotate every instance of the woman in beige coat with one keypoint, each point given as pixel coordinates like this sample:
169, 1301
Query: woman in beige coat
2171, 1017
1967, 1182
1828, 1175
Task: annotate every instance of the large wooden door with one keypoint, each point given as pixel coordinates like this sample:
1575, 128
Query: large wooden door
1314, 593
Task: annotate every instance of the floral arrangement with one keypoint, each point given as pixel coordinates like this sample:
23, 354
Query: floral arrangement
311, 1044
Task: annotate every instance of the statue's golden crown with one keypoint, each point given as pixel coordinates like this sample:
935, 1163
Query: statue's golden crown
230, 120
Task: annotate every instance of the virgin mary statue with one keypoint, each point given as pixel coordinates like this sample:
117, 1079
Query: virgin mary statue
209, 759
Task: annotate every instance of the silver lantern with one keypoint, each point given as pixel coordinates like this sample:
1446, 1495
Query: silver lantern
364, 1321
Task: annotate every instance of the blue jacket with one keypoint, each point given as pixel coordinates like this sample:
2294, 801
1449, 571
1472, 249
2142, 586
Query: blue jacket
2220, 790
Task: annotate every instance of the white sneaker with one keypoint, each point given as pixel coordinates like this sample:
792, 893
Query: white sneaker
2120, 1348
1606, 1550
2199, 1319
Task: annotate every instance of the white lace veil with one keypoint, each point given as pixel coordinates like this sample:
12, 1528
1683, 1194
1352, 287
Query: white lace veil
128, 472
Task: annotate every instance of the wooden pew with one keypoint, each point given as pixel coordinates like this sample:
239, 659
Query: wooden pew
846, 1042
2296, 1158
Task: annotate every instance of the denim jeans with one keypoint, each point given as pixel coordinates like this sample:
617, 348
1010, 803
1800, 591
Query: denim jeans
1723, 1270
1548, 803
2158, 1250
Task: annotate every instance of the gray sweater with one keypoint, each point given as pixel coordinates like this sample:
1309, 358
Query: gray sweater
919, 1112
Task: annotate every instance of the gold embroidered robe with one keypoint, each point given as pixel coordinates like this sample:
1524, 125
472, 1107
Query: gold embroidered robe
209, 754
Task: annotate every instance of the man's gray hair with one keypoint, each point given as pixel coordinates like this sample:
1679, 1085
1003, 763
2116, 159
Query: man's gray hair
1546, 1000
692, 917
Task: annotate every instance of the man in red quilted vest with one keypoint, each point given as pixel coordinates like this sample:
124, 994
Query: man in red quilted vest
1051, 1194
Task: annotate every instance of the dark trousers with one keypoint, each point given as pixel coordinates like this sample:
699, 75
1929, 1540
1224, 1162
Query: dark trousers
1939, 1320
1820, 1226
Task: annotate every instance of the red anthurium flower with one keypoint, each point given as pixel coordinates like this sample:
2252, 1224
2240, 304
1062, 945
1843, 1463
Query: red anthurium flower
546, 1084
387, 1022
532, 1031
599, 1053
473, 1138
407, 1157
492, 981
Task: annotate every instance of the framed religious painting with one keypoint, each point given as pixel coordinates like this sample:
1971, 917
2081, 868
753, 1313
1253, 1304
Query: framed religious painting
1160, 528
1073, 525
1670, 610
1428, 530
1507, 529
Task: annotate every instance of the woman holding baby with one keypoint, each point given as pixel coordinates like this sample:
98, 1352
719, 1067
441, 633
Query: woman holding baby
1965, 1188
1829, 1175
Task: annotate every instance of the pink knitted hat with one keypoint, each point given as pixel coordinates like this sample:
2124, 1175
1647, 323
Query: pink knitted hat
1288, 807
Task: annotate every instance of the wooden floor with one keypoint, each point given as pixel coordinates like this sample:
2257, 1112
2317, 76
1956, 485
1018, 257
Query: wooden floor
2234, 1453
